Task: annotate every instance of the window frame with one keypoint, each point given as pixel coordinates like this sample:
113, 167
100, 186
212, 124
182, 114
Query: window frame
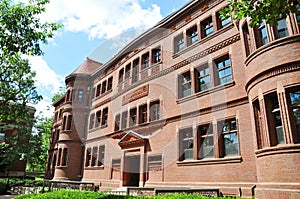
145, 61
156, 55
230, 131
224, 67
207, 27
143, 114
182, 82
155, 110
198, 77
104, 117
209, 134
191, 34
182, 142
179, 43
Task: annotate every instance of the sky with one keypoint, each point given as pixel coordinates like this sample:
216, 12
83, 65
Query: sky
87, 26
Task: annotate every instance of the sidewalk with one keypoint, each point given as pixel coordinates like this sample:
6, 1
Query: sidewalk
7, 196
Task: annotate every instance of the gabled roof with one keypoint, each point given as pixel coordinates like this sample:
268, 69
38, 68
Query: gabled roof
87, 67
132, 139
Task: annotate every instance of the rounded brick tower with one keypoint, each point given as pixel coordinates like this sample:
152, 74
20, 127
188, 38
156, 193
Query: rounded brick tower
69, 125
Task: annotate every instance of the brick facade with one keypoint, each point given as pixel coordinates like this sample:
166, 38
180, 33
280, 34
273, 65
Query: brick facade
196, 101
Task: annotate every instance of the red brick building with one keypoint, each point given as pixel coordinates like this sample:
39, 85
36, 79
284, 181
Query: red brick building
196, 101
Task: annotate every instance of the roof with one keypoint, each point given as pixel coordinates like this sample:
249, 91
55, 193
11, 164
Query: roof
87, 67
160, 24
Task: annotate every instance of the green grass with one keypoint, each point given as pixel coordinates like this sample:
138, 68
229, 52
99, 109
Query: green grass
75, 194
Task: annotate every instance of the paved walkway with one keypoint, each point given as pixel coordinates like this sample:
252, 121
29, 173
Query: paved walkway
7, 196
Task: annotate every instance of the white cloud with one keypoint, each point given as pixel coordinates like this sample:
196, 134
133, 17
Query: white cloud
102, 19
47, 82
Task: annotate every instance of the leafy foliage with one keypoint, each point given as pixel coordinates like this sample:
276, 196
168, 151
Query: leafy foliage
259, 10
20, 28
39, 143
21, 33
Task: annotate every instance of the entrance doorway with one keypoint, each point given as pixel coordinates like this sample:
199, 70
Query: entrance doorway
132, 171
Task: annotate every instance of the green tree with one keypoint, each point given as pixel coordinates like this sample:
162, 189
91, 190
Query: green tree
39, 143
260, 10
21, 33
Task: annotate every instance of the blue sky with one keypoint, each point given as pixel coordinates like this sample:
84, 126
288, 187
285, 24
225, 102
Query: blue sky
88, 24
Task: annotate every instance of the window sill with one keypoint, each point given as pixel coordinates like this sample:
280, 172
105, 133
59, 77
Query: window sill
94, 168
206, 92
210, 161
279, 149
204, 40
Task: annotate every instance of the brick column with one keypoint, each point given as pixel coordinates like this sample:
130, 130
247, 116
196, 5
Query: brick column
264, 121
286, 124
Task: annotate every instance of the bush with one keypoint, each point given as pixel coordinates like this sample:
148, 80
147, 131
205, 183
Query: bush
75, 194
21, 182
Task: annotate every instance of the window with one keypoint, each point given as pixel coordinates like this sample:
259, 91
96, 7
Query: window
154, 111
274, 119
59, 157
92, 121
230, 138
104, 116
295, 108
98, 118
178, 43
143, 114
133, 117
186, 144
155, 163
206, 141
202, 78
98, 89
224, 69
184, 84
121, 75
117, 122
281, 29
109, 83
103, 90
145, 60
258, 124
156, 54
124, 119
64, 122
247, 38
94, 157
69, 124
101, 155
192, 35
80, 95
88, 157
222, 22
135, 70
207, 27
263, 37
127, 71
